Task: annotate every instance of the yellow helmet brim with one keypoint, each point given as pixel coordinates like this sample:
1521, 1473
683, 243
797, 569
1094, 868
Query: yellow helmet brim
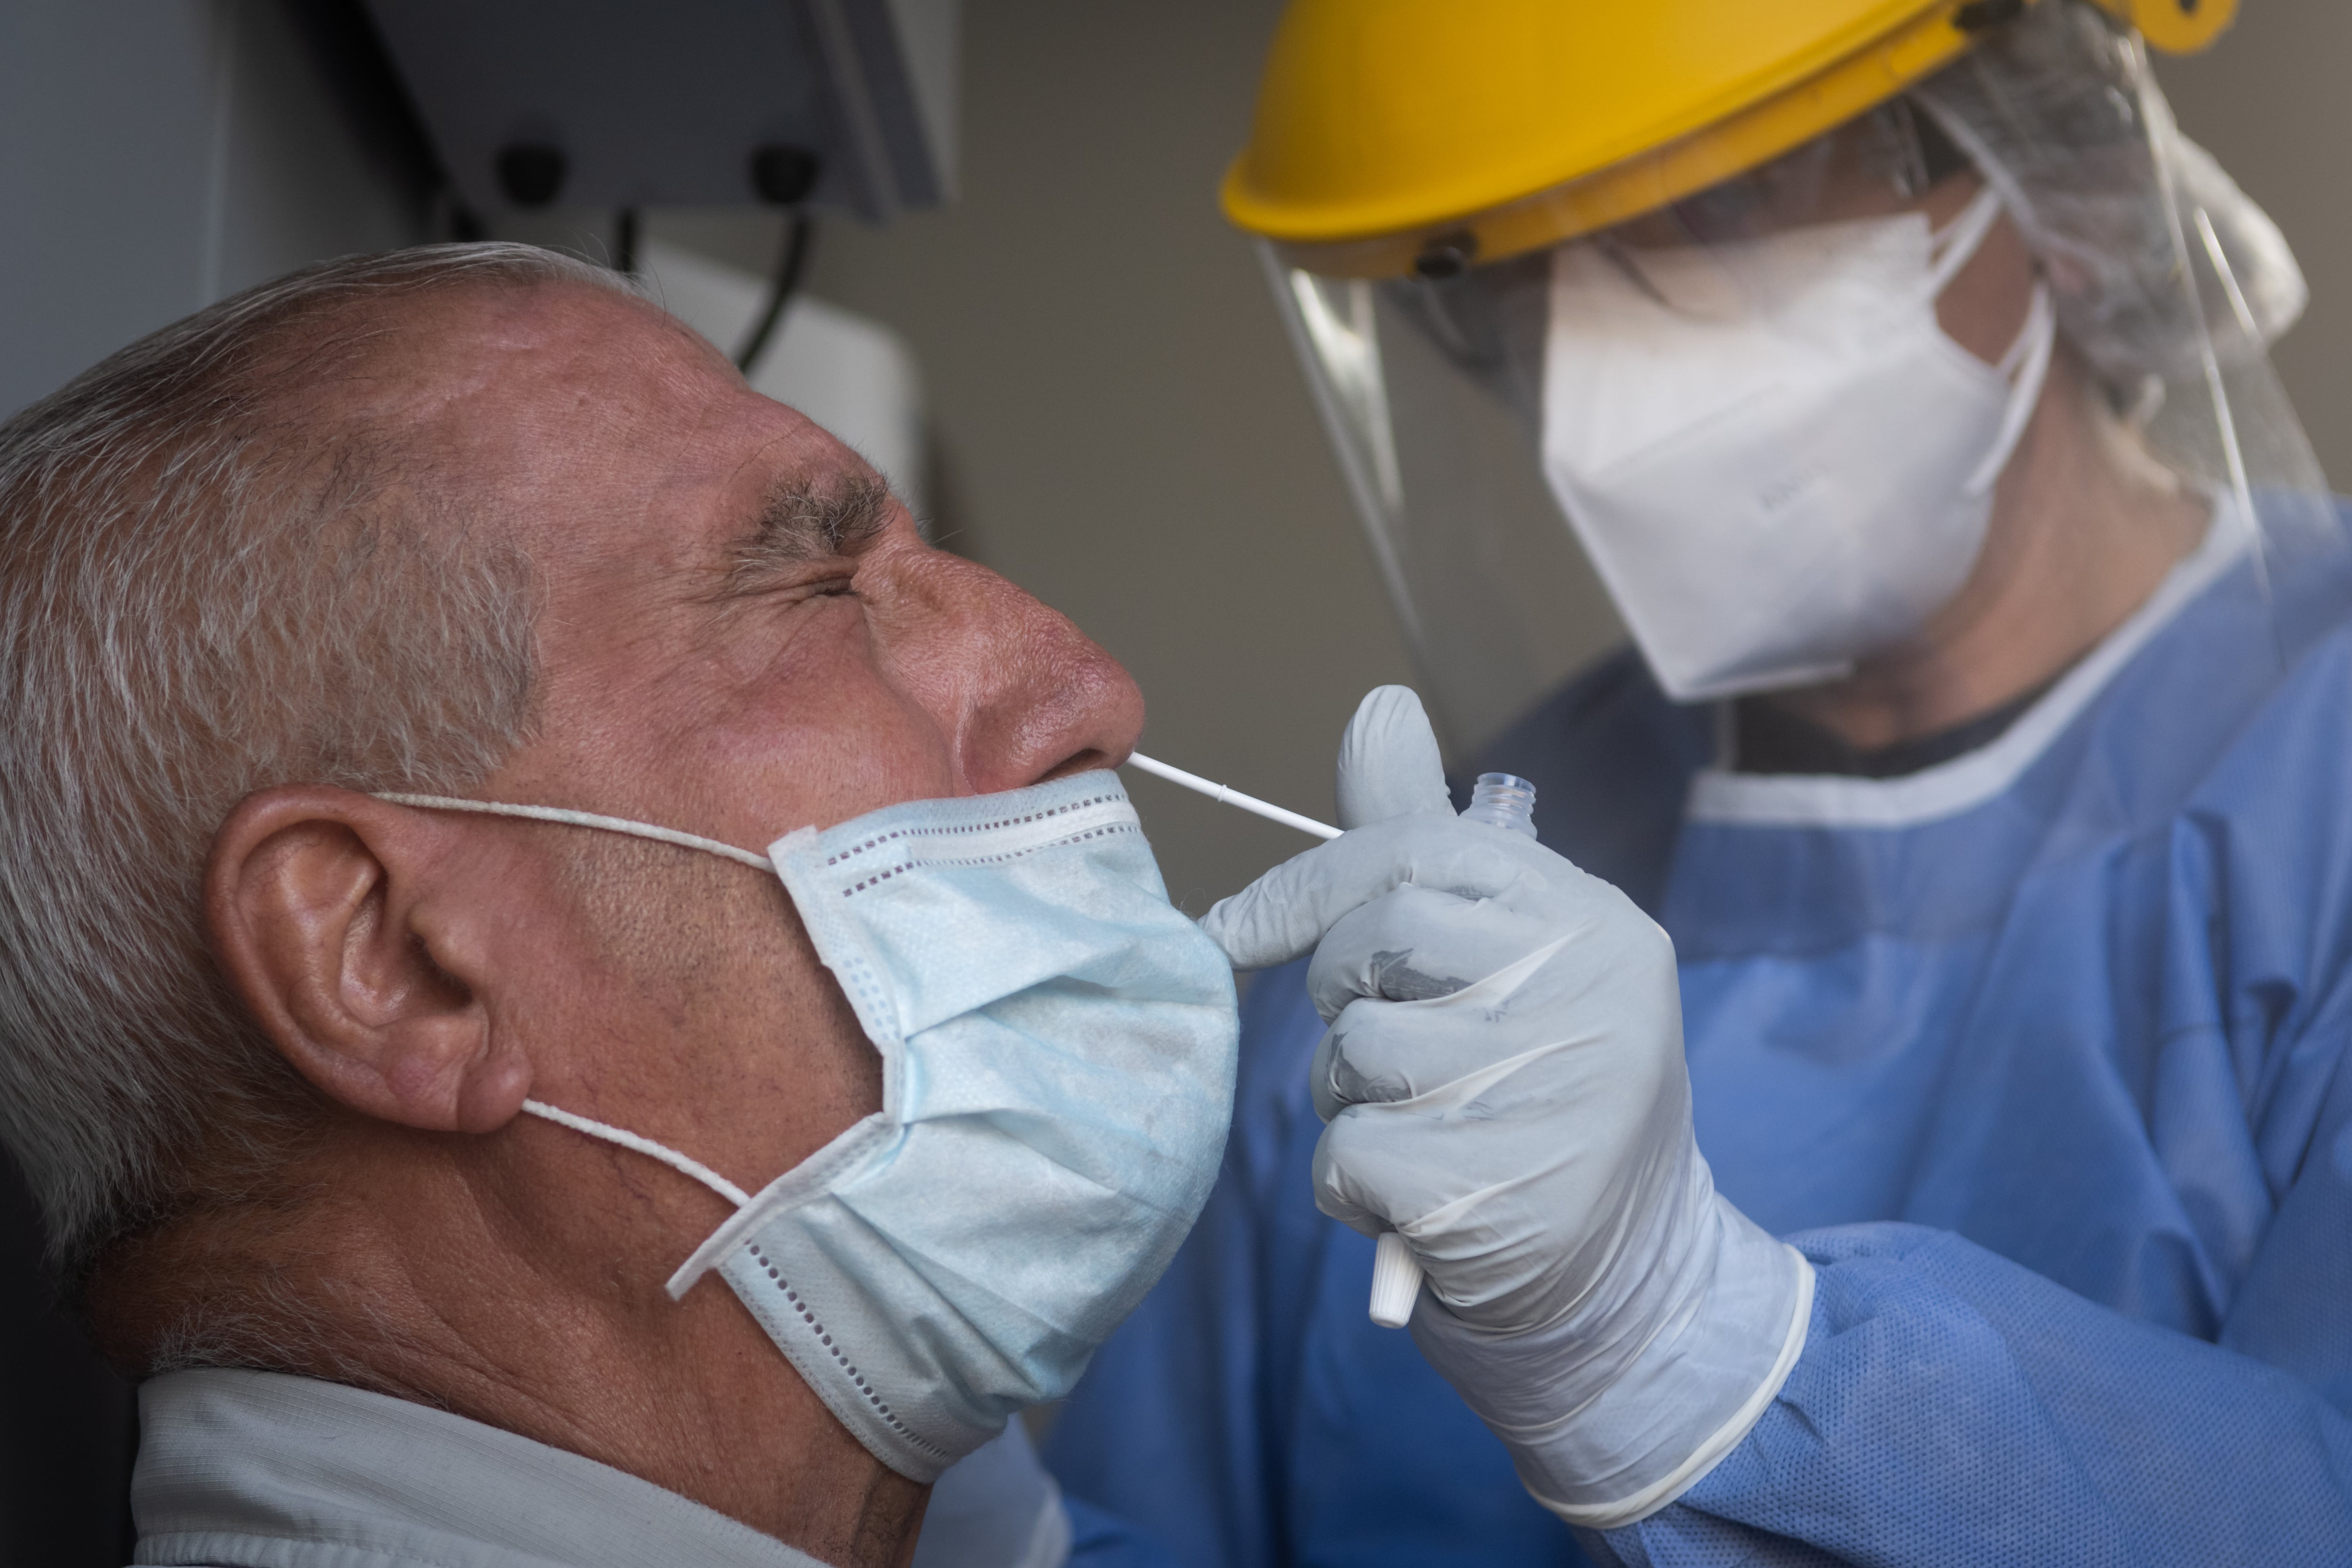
1392, 131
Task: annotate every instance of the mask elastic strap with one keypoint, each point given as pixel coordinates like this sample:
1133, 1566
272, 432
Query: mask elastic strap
585, 819
610, 1134
627, 1139
2028, 361
1955, 245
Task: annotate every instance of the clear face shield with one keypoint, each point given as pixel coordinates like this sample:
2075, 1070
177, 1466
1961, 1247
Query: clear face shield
1820, 416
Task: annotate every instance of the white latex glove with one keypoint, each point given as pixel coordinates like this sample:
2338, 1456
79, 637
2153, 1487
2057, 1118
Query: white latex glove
1502, 1082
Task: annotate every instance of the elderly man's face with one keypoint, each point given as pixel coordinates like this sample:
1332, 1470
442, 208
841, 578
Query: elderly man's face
739, 633
742, 633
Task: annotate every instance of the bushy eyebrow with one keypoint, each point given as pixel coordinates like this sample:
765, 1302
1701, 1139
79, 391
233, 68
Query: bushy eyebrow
802, 521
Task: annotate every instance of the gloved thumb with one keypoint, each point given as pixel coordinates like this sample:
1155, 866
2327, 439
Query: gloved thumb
1387, 760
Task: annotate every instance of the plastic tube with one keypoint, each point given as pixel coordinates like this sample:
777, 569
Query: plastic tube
1504, 801
1396, 1281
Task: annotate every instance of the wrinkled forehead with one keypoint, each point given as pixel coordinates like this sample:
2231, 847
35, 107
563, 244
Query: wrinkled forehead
568, 395
611, 441
531, 353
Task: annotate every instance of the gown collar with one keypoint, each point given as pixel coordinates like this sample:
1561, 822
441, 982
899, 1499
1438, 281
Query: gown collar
1722, 797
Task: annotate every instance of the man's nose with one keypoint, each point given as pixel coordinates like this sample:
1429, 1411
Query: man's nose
1024, 694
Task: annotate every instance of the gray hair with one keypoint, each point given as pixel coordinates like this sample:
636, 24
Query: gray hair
210, 583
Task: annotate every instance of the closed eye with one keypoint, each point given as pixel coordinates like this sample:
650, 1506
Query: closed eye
803, 524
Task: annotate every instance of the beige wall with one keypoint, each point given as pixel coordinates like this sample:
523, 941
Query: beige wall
2268, 102
1124, 432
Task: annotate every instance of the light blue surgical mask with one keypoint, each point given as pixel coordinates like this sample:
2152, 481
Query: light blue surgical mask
1058, 1051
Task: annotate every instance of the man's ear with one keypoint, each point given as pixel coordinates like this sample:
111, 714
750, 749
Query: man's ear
328, 911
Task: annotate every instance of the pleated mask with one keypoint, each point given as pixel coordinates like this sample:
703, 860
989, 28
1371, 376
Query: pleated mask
1058, 1052
1776, 459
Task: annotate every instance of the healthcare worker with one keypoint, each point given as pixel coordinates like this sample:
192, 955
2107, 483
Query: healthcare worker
1985, 750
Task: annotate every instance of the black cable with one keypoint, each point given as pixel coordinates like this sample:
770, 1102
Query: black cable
799, 237
625, 245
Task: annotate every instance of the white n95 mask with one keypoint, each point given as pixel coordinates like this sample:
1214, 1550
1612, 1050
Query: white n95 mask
1776, 459
1058, 1052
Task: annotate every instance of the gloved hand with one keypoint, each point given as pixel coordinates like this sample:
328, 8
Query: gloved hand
1502, 1082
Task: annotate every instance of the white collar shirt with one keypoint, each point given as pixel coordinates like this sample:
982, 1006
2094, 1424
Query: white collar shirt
256, 1469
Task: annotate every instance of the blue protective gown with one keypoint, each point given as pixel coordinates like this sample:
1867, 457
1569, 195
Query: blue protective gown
2034, 1054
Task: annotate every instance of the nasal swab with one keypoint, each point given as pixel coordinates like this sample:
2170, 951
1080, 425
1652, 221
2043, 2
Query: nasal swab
1396, 1273
1500, 801
1230, 796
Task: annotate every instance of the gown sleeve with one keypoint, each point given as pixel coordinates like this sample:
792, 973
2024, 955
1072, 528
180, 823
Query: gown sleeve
1099, 1538
1953, 1408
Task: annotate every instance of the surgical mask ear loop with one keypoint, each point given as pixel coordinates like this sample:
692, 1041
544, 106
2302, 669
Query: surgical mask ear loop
2026, 362
1955, 243
594, 1128
627, 1139
585, 819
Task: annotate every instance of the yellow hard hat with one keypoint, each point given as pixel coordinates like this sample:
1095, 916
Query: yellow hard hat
1396, 132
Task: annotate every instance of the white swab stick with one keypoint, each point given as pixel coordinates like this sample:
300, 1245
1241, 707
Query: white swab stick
1396, 1272
1249, 803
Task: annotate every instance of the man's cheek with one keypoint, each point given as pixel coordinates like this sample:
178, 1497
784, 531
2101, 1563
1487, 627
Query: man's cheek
837, 748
